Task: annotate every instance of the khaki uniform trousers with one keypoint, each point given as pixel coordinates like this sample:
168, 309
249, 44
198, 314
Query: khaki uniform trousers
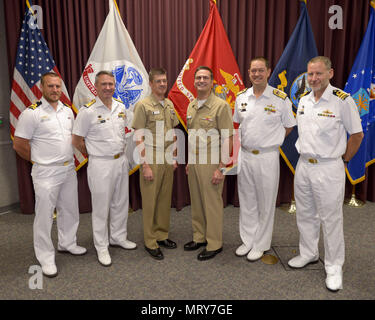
156, 204
206, 205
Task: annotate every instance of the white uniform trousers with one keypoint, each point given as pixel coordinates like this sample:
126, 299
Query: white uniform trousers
55, 187
108, 180
258, 182
319, 190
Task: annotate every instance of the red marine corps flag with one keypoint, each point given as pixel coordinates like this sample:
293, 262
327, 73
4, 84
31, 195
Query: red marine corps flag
213, 50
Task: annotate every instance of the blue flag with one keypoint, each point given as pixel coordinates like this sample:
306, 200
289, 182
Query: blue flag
361, 86
290, 75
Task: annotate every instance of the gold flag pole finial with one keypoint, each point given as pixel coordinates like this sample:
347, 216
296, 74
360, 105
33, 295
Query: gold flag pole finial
353, 201
118, 10
29, 6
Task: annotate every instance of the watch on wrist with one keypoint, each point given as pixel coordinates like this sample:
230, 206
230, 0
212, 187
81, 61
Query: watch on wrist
222, 170
345, 161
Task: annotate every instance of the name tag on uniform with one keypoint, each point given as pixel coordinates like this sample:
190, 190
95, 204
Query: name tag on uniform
155, 112
45, 118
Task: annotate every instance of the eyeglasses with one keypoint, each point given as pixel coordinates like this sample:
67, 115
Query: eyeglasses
202, 78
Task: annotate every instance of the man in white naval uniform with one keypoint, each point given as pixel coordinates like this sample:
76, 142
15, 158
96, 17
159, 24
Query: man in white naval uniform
324, 117
44, 136
265, 117
99, 131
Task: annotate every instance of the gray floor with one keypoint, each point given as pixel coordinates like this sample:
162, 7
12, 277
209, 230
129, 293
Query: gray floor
134, 275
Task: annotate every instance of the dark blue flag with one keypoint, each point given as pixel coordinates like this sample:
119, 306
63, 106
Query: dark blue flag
290, 76
361, 86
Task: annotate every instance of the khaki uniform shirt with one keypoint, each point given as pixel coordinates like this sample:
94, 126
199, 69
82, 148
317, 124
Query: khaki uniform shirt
207, 127
150, 114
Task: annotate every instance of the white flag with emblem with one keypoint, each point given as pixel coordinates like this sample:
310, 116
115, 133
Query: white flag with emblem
114, 51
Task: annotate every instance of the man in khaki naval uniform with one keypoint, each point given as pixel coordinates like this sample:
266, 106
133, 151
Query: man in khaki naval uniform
209, 121
324, 117
155, 118
99, 131
44, 136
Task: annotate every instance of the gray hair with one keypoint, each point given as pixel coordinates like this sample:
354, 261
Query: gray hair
103, 72
327, 61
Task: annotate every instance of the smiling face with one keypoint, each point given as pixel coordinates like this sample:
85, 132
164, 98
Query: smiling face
259, 73
318, 76
51, 88
105, 86
159, 85
203, 82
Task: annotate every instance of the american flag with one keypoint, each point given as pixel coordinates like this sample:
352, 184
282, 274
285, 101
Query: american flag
33, 60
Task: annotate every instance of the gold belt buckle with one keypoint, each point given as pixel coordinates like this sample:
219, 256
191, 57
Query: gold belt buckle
255, 151
116, 156
311, 160
66, 163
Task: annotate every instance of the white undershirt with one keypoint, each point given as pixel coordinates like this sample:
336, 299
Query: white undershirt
201, 102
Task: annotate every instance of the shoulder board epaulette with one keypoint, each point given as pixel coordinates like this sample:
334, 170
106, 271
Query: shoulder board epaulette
242, 91
118, 100
90, 103
341, 94
304, 94
280, 94
35, 105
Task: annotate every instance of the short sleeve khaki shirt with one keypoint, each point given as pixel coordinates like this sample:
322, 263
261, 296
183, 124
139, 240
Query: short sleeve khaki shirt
150, 114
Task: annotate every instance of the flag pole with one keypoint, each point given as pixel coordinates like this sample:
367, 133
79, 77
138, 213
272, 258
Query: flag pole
291, 209
353, 201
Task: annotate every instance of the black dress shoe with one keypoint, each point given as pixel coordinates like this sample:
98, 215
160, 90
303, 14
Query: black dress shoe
205, 255
192, 245
155, 253
169, 244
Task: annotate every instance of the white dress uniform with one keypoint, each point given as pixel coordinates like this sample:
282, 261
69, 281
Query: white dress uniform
107, 171
54, 176
319, 182
262, 130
